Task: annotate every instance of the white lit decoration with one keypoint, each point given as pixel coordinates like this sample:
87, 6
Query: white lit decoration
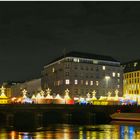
38, 96
2, 92
67, 94
42, 93
33, 97
48, 94
58, 96
88, 97
48, 90
24, 92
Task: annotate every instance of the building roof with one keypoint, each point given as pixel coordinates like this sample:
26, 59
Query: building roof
86, 55
130, 66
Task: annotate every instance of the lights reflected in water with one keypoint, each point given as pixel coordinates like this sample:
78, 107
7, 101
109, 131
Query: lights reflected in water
77, 132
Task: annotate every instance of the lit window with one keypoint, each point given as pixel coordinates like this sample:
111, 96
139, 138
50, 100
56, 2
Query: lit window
82, 82
118, 74
118, 86
103, 67
91, 83
58, 82
53, 69
67, 81
135, 64
76, 82
113, 74
76, 60
118, 80
107, 77
86, 82
97, 83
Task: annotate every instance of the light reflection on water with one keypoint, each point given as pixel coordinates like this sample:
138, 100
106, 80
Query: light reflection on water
64, 131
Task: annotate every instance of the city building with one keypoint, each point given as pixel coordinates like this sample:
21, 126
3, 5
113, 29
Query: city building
131, 78
83, 73
32, 86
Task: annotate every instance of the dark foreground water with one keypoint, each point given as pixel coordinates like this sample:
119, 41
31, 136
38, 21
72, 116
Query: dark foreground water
119, 130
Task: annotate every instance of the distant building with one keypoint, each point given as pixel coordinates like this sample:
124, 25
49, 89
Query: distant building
131, 77
82, 73
31, 86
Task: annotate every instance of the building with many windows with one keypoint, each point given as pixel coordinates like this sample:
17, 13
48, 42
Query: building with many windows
131, 78
82, 73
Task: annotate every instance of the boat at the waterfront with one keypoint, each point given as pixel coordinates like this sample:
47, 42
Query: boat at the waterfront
126, 116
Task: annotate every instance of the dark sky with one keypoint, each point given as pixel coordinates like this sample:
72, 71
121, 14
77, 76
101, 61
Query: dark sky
34, 33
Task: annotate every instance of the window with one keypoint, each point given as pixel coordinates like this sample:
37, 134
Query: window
67, 73
82, 82
58, 82
67, 66
53, 69
86, 82
82, 68
118, 74
103, 67
113, 74
76, 60
97, 83
75, 82
76, 91
118, 80
91, 83
135, 64
97, 69
67, 81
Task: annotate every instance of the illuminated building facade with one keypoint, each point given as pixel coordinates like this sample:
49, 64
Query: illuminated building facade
131, 78
32, 86
82, 73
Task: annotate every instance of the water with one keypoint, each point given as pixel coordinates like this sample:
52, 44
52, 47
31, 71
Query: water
113, 130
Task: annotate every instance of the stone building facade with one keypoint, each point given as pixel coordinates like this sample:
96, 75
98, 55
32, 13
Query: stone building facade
82, 73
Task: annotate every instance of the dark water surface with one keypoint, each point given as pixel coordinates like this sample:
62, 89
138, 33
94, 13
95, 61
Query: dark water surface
114, 130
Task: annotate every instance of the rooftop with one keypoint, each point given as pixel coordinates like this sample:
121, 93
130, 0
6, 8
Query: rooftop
131, 66
85, 55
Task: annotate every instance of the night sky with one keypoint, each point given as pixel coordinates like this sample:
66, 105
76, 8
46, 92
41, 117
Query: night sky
34, 33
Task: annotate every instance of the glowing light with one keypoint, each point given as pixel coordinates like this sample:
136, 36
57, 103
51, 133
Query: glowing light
103, 67
13, 99
38, 96
67, 81
107, 77
48, 91
88, 97
113, 74
42, 93
93, 95
3, 93
58, 96
33, 97
49, 96
24, 92
66, 97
